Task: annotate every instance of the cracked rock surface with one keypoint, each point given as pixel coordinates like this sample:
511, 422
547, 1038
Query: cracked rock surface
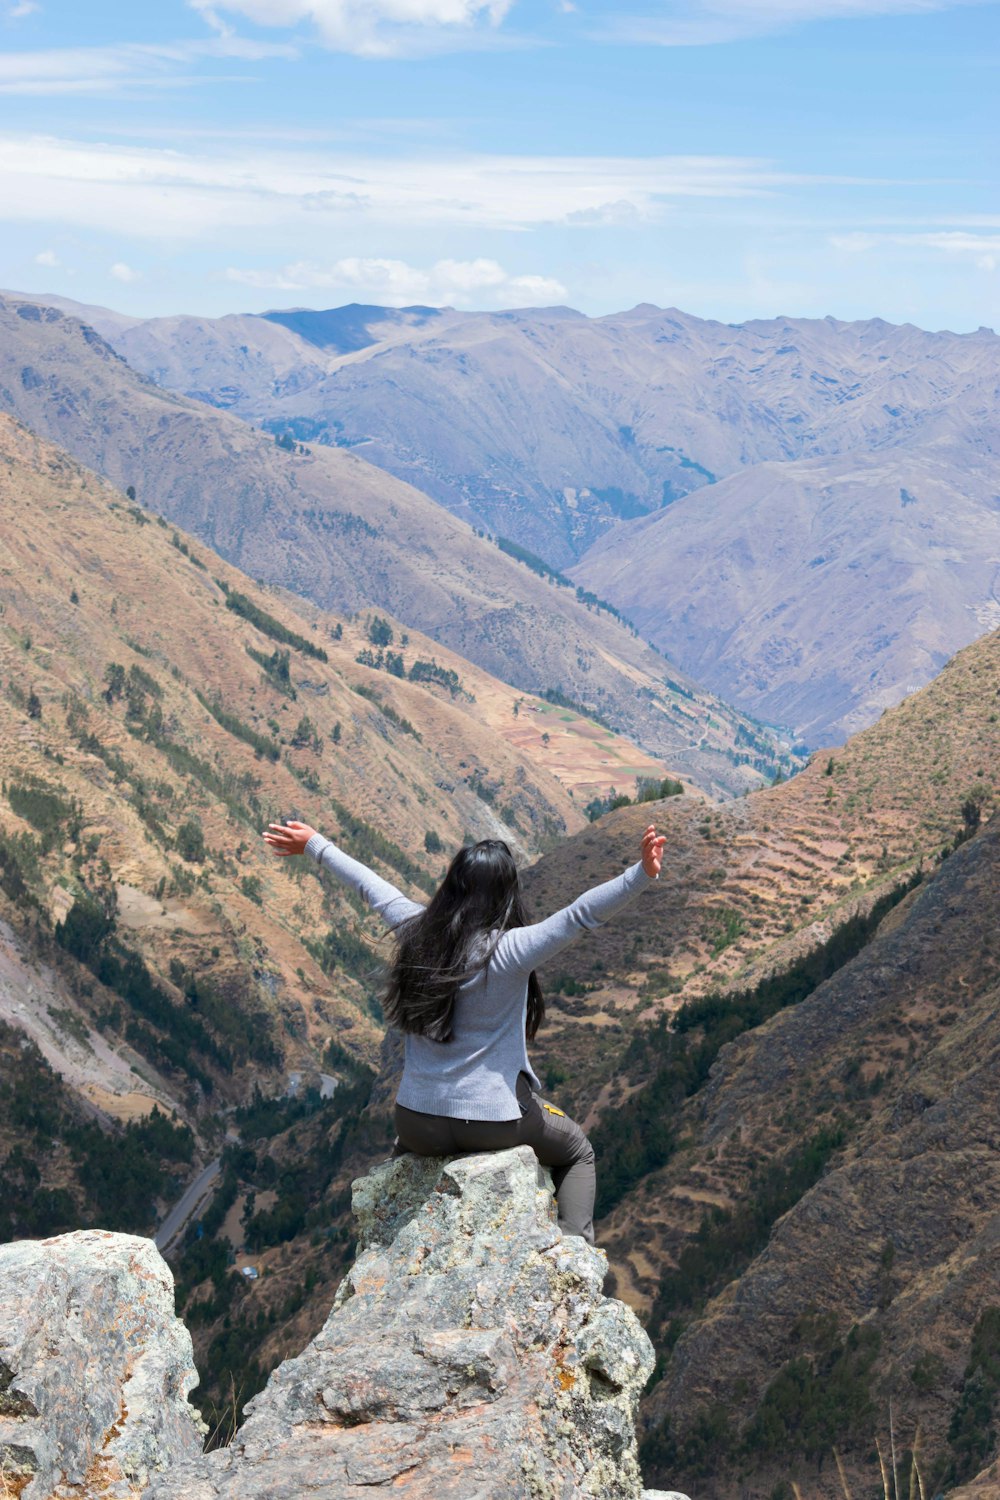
469, 1355
95, 1367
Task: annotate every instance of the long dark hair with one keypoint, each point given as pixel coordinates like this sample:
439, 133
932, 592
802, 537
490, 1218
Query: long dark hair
448, 942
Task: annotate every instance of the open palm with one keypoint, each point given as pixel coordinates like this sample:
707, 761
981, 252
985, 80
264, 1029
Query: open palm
287, 838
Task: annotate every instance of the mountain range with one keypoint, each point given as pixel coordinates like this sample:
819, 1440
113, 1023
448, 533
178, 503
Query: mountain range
159, 709
785, 1055
803, 514
331, 527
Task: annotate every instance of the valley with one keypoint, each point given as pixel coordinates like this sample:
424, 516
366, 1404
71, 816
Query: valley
800, 512
768, 1054
331, 528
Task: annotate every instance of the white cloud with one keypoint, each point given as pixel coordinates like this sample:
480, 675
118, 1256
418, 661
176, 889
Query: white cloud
103, 70
21, 9
183, 194
622, 211
370, 28
394, 283
121, 272
982, 249
46, 258
692, 23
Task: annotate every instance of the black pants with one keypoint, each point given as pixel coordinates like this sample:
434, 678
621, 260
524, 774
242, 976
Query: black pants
556, 1140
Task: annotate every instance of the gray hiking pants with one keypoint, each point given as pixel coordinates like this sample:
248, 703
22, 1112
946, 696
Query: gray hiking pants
556, 1140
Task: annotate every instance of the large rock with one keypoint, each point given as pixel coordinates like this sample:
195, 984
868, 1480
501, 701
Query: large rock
469, 1354
95, 1367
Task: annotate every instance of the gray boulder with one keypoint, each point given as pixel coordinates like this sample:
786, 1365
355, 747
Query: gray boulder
95, 1367
469, 1355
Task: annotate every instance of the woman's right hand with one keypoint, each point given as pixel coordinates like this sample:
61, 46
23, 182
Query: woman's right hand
653, 845
288, 838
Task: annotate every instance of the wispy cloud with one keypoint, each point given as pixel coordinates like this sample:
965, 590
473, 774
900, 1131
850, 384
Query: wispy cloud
372, 28
47, 258
130, 65
123, 272
982, 249
185, 194
21, 9
395, 283
693, 23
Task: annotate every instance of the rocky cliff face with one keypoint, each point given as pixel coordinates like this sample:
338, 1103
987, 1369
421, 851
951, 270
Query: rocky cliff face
469, 1353
94, 1367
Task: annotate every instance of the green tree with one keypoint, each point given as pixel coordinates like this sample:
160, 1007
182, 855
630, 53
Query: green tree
380, 632
114, 676
191, 841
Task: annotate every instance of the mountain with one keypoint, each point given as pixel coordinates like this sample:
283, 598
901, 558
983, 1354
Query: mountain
840, 1283
786, 1061
159, 708
838, 537
330, 527
753, 886
816, 592
762, 903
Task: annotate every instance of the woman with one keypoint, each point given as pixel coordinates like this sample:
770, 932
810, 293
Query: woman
462, 989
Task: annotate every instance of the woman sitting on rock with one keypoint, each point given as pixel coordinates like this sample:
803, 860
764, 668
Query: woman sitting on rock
462, 988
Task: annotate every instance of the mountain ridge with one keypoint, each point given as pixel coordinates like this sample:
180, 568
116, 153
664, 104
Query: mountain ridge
565, 434
324, 524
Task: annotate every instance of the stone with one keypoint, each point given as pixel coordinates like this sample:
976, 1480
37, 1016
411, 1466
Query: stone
469, 1355
95, 1367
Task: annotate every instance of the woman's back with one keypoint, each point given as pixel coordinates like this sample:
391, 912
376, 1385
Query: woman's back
463, 991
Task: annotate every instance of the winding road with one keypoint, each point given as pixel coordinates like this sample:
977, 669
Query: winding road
194, 1198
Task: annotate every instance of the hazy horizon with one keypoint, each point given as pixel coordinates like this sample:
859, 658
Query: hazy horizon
738, 159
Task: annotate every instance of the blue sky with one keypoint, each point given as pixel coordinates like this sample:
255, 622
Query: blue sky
736, 158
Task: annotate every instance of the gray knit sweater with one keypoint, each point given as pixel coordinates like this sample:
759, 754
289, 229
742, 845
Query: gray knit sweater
474, 1076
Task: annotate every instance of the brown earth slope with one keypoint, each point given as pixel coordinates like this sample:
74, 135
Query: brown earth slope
816, 592
330, 527
801, 512
896, 1060
752, 884
134, 709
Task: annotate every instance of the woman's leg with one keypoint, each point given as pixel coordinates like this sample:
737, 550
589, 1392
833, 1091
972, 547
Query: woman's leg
425, 1135
556, 1140
561, 1145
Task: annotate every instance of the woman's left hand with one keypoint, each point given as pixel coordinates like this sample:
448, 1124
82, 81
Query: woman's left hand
653, 845
288, 838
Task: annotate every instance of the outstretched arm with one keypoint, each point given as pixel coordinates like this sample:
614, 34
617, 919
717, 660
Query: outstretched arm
383, 897
524, 948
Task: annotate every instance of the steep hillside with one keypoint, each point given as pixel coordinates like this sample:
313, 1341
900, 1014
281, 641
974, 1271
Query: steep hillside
159, 709
840, 535
901, 551
753, 885
839, 1284
787, 1060
741, 900
335, 529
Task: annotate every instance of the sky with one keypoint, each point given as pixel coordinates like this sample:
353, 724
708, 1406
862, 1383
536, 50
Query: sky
734, 158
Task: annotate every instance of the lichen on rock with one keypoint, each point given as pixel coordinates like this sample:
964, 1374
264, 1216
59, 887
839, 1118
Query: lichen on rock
469, 1353
95, 1367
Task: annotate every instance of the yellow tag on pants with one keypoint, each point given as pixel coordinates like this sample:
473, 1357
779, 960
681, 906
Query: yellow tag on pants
553, 1111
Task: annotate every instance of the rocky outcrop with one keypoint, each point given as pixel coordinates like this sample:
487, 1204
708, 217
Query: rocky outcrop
469, 1355
94, 1367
